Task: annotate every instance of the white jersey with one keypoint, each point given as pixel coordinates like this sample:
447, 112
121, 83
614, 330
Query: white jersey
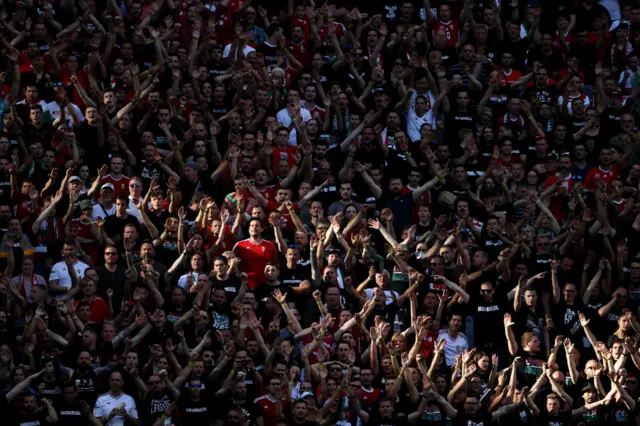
285, 120
453, 346
61, 273
107, 402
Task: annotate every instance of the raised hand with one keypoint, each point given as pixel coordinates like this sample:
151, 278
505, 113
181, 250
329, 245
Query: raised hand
507, 320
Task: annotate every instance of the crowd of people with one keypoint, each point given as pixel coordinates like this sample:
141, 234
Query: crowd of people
272, 213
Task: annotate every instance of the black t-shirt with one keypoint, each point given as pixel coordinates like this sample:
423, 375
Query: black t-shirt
482, 417
521, 417
619, 415
34, 419
154, 406
561, 419
376, 419
147, 171
546, 94
594, 417
567, 321
487, 318
114, 226
71, 415
87, 384
269, 52
251, 410
230, 286
195, 412
112, 280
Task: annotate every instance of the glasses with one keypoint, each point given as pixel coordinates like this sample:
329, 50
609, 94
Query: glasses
195, 385
336, 370
110, 253
134, 185
484, 291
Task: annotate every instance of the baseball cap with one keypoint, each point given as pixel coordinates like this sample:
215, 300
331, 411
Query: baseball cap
192, 164
107, 186
85, 204
589, 387
304, 395
75, 179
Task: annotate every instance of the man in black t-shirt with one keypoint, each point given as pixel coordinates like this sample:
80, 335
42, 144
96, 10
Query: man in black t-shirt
73, 411
32, 415
193, 408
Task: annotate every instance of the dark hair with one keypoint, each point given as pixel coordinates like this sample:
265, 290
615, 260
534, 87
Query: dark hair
256, 219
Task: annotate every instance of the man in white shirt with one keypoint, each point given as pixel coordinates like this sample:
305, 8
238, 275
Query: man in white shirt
72, 112
60, 280
245, 51
456, 342
293, 107
114, 407
105, 207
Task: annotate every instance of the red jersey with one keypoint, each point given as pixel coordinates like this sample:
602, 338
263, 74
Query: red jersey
512, 77
563, 73
327, 342
286, 154
233, 5
428, 344
99, 310
290, 75
269, 192
368, 397
598, 174
450, 28
24, 207
120, 185
621, 204
254, 257
507, 163
286, 217
267, 407
301, 51
557, 203
317, 112
305, 23
324, 30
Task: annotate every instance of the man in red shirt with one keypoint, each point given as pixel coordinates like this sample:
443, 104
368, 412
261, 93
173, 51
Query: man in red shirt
254, 253
605, 172
268, 402
100, 311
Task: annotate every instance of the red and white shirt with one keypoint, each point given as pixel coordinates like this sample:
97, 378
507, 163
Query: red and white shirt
600, 174
120, 185
254, 257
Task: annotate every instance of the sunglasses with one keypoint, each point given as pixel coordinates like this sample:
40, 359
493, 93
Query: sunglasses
134, 185
483, 291
110, 253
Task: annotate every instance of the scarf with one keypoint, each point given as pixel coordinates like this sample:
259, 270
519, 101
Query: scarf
627, 49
